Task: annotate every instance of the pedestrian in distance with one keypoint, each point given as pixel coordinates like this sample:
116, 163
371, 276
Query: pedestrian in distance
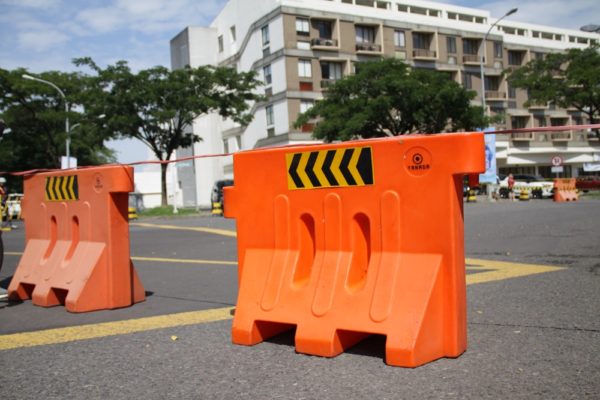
511, 184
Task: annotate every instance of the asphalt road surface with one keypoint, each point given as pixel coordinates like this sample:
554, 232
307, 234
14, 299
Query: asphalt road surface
533, 311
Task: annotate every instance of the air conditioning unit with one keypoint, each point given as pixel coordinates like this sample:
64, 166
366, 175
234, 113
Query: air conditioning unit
452, 60
328, 42
315, 42
498, 64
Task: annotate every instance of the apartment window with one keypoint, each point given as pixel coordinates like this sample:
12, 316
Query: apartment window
269, 112
304, 69
302, 27
331, 70
512, 92
451, 44
265, 35
306, 105
422, 40
468, 80
267, 74
232, 33
540, 121
519, 122
470, 46
220, 43
365, 34
324, 28
497, 49
399, 39
515, 58
538, 56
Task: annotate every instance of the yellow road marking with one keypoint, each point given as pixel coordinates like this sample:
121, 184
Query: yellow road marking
184, 261
490, 271
92, 331
223, 232
500, 270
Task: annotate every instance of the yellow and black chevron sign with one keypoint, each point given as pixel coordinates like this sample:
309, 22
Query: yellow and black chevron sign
351, 166
61, 188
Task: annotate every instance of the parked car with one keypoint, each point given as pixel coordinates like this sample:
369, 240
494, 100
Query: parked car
217, 194
586, 183
537, 186
13, 205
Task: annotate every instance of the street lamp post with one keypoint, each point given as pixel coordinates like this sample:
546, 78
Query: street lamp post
68, 141
483, 53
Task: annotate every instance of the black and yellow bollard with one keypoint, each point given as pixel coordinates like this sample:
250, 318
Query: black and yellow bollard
132, 213
524, 195
217, 208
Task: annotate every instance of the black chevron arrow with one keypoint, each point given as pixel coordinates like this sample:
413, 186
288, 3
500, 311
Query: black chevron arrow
327, 168
365, 166
56, 189
75, 187
49, 189
310, 164
344, 167
293, 168
61, 181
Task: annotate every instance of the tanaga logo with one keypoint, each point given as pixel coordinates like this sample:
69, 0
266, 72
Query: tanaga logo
351, 166
417, 161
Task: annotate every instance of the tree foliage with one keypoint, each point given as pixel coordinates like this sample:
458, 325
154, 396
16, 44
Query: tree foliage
387, 98
570, 79
158, 106
35, 114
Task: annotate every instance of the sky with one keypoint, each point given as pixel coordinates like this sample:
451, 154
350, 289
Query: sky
43, 35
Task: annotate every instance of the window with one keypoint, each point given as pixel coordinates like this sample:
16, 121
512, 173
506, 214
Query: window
470, 46
519, 122
515, 58
232, 33
302, 27
265, 35
497, 49
365, 34
324, 28
269, 112
267, 74
304, 69
512, 92
331, 70
422, 40
305, 105
220, 43
468, 80
540, 121
451, 44
399, 39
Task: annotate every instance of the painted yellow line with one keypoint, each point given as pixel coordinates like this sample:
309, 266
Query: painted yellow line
223, 232
184, 261
489, 271
92, 331
501, 270
161, 260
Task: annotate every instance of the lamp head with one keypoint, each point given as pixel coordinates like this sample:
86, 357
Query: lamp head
511, 12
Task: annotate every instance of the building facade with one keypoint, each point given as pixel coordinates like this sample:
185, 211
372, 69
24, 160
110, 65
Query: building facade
300, 47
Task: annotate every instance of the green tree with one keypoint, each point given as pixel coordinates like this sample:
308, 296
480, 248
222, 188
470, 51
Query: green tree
158, 106
35, 114
388, 98
570, 79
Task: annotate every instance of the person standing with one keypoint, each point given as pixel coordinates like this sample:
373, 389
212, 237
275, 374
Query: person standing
511, 184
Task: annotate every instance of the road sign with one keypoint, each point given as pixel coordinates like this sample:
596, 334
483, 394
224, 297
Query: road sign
557, 161
558, 170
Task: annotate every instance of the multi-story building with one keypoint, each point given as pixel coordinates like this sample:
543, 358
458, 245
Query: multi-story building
300, 47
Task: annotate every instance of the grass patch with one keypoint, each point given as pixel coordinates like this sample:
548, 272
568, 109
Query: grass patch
168, 212
591, 193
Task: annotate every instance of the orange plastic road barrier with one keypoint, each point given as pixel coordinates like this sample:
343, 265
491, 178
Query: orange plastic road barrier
346, 240
77, 241
565, 190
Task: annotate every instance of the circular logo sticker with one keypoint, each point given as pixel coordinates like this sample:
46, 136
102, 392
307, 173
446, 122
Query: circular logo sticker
417, 161
98, 183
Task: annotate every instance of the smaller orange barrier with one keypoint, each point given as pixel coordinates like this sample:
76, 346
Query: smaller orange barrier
565, 190
77, 241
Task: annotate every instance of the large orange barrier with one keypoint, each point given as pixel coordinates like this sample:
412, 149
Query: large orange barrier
565, 190
77, 241
346, 240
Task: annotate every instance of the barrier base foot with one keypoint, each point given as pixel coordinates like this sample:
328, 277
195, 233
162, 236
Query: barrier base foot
319, 342
249, 334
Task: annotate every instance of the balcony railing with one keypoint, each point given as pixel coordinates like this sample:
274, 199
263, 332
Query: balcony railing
494, 94
471, 59
325, 83
561, 136
592, 137
320, 42
538, 106
368, 47
522, 136
424, 53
